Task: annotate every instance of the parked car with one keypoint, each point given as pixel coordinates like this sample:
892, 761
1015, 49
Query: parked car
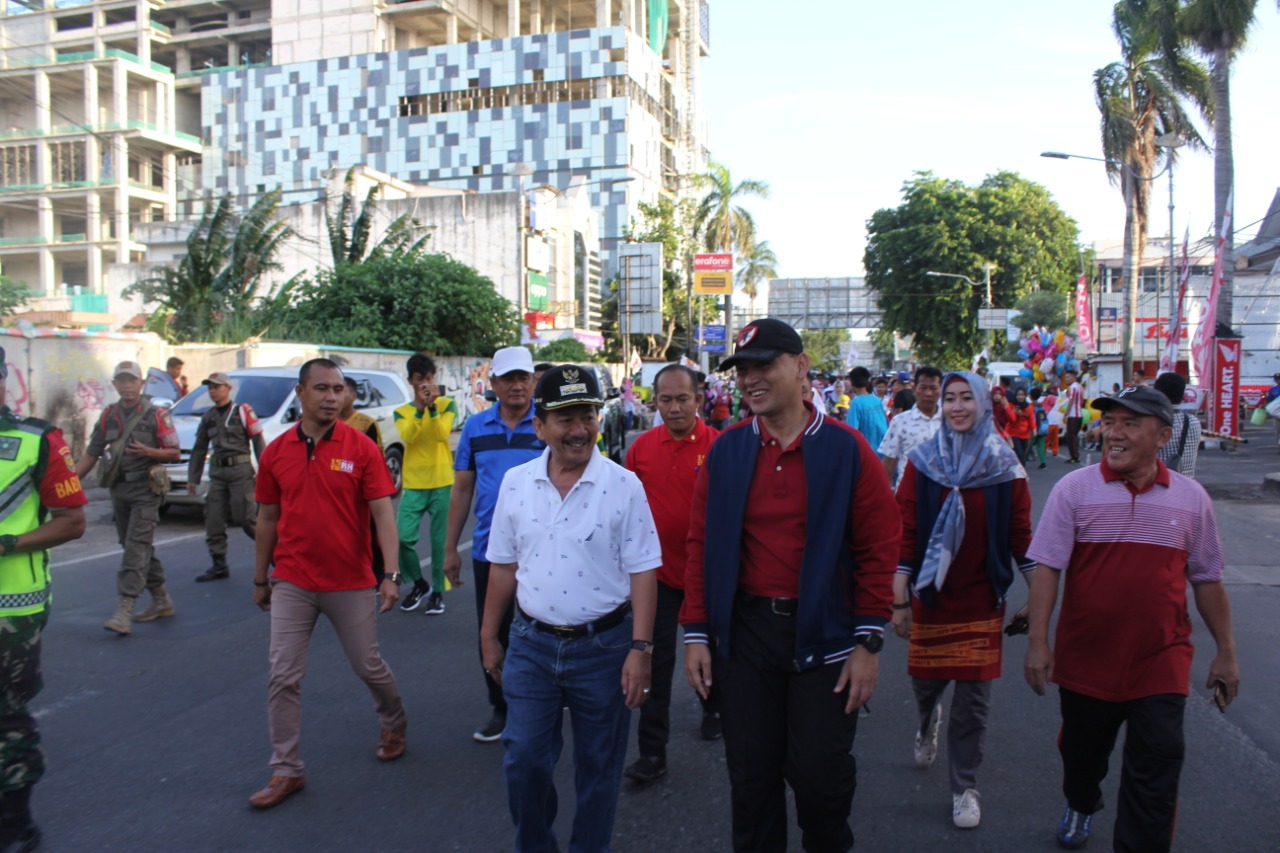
270, 391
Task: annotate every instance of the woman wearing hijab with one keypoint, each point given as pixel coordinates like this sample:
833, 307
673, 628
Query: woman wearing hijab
1001, 411
1022, 422
966, 519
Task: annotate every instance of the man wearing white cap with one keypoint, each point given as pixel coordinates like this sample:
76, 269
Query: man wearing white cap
493, 442
131, 438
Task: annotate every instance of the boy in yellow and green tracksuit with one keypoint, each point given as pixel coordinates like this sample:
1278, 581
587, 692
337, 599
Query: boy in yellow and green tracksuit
425, 425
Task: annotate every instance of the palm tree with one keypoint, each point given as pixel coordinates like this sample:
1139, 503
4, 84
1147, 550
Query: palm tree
228, 257
1218, 28
758, 263
349, 230
1142, 97
722, 224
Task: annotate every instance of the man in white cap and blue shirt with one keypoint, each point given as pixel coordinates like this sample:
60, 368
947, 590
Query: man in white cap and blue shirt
493, 442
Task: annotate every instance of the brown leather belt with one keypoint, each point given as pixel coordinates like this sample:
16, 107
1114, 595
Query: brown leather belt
564, 632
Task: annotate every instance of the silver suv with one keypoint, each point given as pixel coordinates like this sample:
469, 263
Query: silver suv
270, 391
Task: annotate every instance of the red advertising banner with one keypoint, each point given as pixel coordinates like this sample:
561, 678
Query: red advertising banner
1084, 317
719, 262
1224, 405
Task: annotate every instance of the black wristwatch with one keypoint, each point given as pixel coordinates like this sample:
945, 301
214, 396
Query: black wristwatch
642, 646
871, 642
9, 543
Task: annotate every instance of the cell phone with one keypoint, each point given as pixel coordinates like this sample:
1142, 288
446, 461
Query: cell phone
439, 390
1220, 695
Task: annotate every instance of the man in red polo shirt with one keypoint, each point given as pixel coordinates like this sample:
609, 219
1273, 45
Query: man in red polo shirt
318, 485
795, 593
1129, 534
667, 459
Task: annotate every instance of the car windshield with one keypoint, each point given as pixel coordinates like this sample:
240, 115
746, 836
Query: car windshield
266, 394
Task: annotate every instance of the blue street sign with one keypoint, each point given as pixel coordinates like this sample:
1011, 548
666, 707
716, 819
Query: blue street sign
711, 333
714, 347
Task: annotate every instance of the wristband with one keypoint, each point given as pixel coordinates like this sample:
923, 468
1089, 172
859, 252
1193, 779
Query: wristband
262, 583
905, 605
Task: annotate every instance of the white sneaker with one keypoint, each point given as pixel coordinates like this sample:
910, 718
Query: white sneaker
965, 811
927, 742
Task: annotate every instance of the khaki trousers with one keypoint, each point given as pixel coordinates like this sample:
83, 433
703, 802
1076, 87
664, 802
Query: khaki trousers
354, 617
137, 512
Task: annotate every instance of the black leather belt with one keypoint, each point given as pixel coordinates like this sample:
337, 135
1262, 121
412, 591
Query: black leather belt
604, 623
232, 461
780, 606
133, 476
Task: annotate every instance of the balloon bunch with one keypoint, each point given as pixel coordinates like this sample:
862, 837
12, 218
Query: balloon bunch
1046, 354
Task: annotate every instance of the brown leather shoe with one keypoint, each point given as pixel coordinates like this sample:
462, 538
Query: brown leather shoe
277, 791
392, 745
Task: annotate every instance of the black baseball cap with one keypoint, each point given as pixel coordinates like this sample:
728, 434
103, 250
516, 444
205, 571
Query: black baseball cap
763, 340
1140, 399
568, 385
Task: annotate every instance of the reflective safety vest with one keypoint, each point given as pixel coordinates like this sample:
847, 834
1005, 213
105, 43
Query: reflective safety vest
24, 578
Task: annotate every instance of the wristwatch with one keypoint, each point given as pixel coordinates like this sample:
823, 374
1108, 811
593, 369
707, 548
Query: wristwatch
9, 543
871, 642
642, 646
394, 577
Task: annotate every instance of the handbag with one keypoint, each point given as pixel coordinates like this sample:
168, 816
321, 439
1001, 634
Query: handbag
109, 472
1273, 408
1175, 461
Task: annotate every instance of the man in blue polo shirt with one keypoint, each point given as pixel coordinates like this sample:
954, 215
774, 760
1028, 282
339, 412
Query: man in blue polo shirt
493, 442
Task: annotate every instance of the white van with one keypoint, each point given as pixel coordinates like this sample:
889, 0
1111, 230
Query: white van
270, 391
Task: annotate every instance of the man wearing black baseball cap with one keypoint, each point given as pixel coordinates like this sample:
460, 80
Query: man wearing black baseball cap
1129, 535
574, 544
795, 593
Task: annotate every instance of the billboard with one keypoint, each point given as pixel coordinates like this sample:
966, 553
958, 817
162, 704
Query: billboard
640, 289
1224, 402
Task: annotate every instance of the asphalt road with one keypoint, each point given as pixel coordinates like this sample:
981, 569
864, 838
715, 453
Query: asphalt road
155, 741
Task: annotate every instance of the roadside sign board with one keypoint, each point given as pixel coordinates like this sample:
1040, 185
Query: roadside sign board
1224, 404
717, 262
711, 333
712, 283
713, 346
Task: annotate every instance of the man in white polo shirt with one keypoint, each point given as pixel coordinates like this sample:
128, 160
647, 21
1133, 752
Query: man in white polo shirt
1128, 534
574, 543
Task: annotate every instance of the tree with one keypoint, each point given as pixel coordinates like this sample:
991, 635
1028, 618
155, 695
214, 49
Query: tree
1141, 98
405, 301
228, 259
13, 295
349, 230
1044, 308
564, 350
1218, 28
946, 226
722, 224
823, 348
757, 263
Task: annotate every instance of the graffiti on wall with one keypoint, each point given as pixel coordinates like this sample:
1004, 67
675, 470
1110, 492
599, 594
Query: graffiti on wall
16, 392
465, 381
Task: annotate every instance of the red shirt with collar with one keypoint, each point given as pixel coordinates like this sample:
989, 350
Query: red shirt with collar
323, 490
773, 533
668, 470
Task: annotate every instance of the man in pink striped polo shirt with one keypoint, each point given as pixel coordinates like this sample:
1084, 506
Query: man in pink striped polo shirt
1128, 534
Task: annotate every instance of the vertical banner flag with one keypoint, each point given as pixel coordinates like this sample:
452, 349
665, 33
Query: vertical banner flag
1084, 318
1169, 359
1202, 343
1224, 405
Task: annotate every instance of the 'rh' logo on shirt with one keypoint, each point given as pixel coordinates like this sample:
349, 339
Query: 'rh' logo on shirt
342, 465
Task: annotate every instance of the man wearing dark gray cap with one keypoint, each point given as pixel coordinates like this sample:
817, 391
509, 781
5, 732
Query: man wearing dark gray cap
574, 544
1129, 534
235, 433
133, 437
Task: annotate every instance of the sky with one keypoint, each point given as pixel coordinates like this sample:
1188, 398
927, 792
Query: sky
835, 104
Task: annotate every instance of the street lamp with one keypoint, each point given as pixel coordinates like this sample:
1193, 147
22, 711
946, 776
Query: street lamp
1168, 141
987, 267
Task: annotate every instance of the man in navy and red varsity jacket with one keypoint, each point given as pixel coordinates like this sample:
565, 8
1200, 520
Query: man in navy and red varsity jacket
792, 548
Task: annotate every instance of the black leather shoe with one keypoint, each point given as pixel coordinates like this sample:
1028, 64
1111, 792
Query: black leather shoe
214, 573
21, 840
647, 769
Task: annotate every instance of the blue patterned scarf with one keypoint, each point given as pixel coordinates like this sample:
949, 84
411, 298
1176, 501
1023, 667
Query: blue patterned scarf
973, 459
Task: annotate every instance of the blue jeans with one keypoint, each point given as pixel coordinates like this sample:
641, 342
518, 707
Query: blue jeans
542, 674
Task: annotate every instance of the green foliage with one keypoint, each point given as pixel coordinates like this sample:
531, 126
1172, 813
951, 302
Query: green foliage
724, 225
823, 348
13, 295
1044, 308
349, 230
228, 257
564, 350
946, 226
410, 301
757, 264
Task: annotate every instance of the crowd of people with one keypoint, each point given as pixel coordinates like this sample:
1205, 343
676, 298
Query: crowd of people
779, 521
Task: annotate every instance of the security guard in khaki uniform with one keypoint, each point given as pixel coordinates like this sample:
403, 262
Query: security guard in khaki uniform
134, 440
233, 430
43, 507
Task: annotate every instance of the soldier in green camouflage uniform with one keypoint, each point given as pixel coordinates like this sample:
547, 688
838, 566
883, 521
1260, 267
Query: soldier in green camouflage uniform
43, 507
132, 437
234, 431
